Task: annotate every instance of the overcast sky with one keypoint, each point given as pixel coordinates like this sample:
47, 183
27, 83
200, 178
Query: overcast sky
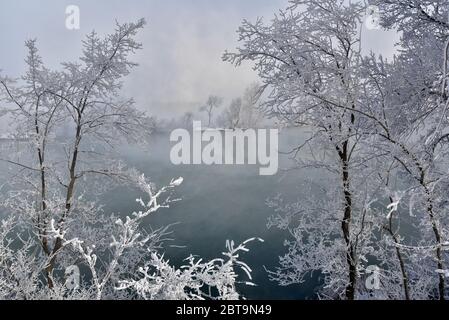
180, 64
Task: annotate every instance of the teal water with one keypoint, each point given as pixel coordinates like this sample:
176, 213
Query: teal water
218, 203
221, 202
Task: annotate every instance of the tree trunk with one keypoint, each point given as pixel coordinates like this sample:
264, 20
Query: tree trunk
399, 256
345, 225
436, 232
68, 206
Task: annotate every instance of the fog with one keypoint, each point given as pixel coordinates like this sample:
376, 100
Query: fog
180, 64
179, 67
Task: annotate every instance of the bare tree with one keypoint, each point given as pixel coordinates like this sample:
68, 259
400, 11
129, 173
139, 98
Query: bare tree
230, 118
252, 113
213, 102
243, 112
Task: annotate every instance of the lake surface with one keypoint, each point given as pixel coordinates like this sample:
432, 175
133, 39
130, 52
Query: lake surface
221, 202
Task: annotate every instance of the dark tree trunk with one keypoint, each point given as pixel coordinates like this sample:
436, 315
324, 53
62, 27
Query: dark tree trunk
395, 238
68, 205
439, 243
346, 223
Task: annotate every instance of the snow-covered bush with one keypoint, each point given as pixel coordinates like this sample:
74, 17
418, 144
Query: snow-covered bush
114, 272
198, 279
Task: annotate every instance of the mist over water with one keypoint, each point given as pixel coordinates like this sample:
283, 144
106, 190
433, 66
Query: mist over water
218, 203
221, 202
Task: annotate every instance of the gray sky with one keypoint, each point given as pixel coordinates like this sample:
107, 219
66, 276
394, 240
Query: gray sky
180, 64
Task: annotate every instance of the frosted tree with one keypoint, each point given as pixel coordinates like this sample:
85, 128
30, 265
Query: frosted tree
374, 122
84, 97
386, 118
411, 126
58, 222
36, 113
195, 280
309, 57
115, 272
